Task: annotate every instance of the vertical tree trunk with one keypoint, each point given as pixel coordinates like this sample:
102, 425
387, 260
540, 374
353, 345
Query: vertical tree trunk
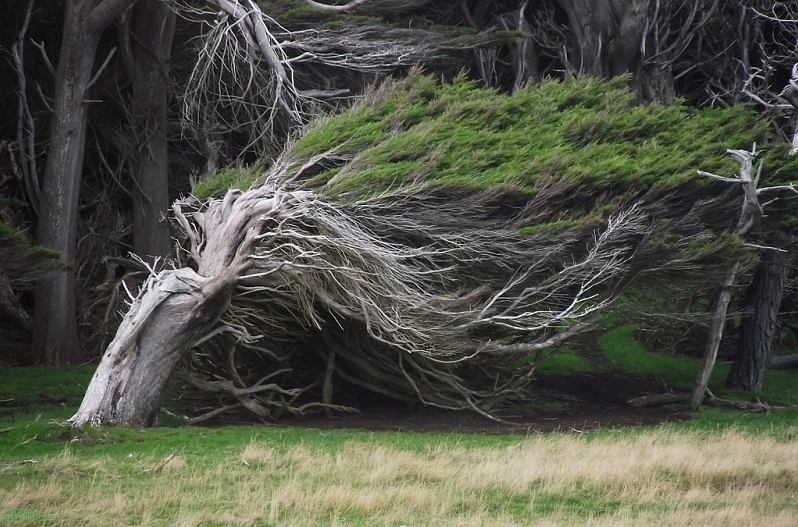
152, 29
607, 34
591, 23
759, 325
55, 338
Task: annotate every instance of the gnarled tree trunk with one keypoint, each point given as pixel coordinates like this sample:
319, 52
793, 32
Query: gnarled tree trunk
175, 309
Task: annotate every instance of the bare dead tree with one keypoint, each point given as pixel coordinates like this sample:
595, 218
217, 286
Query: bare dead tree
26, 126
247, 73
751, 213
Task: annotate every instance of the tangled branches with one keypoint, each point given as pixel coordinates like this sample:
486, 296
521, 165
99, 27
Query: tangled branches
388, 296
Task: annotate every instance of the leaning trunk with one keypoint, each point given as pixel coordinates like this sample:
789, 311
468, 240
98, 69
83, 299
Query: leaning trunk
759, 325
174, 310
713, 337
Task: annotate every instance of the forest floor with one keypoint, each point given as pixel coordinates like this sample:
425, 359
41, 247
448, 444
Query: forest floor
573, 403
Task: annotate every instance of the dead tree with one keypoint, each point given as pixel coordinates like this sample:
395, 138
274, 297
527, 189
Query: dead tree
750, 214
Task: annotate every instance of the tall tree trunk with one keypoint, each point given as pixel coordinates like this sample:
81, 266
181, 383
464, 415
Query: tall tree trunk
55, 329
55, 337
152, 29
759, 325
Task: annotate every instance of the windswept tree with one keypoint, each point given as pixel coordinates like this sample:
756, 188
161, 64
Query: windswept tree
433, 272
243, 84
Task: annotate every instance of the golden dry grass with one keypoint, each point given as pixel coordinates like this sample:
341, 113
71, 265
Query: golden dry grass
655, 478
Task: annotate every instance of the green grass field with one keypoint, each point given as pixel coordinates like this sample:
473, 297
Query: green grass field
722, 468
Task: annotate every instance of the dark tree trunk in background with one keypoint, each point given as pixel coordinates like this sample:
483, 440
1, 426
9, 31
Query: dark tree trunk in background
55, 338
607, 34
149, 43
759, 324
55, 328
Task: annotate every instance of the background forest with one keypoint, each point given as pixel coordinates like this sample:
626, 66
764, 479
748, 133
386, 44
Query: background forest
115, 109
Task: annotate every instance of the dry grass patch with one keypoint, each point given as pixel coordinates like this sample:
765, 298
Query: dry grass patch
658, 477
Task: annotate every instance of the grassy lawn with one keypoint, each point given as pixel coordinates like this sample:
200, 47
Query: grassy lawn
722, 468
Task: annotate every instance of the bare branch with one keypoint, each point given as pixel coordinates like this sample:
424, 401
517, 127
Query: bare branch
101, 69
26, 127
351, 6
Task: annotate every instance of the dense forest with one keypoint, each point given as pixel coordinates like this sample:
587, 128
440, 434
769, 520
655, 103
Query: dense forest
418, 199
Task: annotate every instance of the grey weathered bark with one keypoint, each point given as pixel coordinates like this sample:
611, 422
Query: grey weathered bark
713, 337
174, 310
55, 328
750, 213
146, 36
759, 325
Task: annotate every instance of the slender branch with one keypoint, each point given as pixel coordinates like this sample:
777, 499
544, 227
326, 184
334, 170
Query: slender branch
346, 8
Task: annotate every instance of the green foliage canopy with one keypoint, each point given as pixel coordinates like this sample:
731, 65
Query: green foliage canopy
585, 133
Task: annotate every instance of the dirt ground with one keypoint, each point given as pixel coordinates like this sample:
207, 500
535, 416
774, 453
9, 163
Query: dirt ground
587, 402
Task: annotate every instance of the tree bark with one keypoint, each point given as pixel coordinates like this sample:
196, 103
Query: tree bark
55, 328
607, 34
759, 325
713, 338
55, 337
152, 29
174, 310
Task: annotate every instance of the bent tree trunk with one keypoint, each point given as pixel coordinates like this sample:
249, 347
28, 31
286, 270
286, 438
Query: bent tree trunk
174, 310
759, 325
